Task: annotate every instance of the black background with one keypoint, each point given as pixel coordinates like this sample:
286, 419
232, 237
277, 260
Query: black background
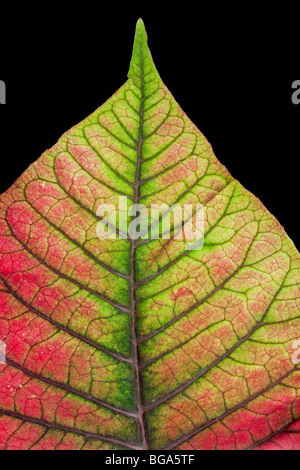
230, 69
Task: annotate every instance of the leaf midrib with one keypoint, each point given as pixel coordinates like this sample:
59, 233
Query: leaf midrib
132, 275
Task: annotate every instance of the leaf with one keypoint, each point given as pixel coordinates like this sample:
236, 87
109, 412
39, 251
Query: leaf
139, 344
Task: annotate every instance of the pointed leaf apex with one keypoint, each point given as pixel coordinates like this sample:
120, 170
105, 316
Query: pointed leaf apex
141, 60
140, 30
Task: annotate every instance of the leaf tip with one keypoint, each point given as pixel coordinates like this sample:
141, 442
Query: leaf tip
140, 38
141, 55
140, 29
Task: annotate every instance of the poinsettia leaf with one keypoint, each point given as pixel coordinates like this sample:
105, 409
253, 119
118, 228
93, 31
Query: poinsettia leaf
135, 343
